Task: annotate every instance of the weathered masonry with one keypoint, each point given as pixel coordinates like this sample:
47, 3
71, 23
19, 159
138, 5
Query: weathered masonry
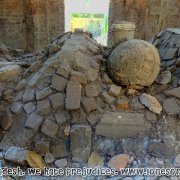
32, 24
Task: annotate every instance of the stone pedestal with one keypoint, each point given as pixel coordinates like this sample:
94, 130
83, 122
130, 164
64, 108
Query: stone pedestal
120, 32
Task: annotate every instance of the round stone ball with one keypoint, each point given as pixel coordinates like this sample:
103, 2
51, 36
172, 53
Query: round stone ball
135, 63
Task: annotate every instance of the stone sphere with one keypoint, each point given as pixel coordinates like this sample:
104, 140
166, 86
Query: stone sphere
134, 63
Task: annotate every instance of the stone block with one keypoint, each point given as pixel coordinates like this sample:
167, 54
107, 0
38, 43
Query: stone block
43, 93
73, 95
121, 125
34, 121
59, 83
43, 107
59, 150
80, 136
57, 100
49, 128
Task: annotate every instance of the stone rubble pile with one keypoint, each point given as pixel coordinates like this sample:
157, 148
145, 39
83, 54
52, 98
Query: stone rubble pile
168, 44
66, 108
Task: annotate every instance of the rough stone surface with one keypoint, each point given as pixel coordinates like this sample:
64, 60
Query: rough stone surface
89, 105
161, 150
61, 163
174, 92
43, 107
164, 77
9, 72
95, 160
34, 121
91, 91
28, 95
59, 150
73, 95
121, 125
170, 106
49, 158
80, 137
151, 102
42, 147
126, 66
29, 107
78, 77
16, 107
57, 100
43, 93
119, 161
49, 128
107, 98
16, 155
59, 83
115, 90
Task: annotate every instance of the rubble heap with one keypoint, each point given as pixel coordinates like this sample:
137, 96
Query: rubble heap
67, 109
168, 44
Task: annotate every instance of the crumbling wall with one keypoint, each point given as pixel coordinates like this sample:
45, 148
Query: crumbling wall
150, 16
30, 24
12, 23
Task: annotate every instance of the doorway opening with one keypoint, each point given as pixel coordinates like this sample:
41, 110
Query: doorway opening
91, 15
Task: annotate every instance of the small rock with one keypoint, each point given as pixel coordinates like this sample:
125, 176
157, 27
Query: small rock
89, 104
16, 155
115, 90
161, 150
42, 147
34, 121
150, 116
61, 163
43, 107
164, 78
73, 95
9, 72
78, 77
59, 83
61, 118
91, 91
177, 161
170, 106
49, 158
16, 108
49, 128
95, 160
28, 95
135, 104
122, 104
59, 150
107, 98
173, 92
64, 70
119, 161
43, 93
151, 102
29, 107
57, 100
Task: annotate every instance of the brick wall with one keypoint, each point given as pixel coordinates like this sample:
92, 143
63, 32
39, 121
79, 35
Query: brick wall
30, 24
150, 16
12, 23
